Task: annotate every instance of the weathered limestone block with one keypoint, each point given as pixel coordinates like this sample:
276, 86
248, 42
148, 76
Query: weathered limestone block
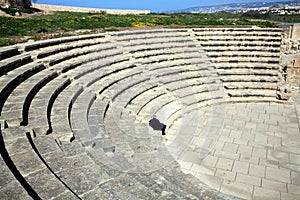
283, 92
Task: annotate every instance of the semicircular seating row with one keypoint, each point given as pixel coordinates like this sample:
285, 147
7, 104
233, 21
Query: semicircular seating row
75, 110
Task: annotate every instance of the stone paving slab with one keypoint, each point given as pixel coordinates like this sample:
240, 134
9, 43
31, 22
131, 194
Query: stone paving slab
255, 153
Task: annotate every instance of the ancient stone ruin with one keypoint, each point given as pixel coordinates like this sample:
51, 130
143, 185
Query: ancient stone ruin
22, 4
75, 111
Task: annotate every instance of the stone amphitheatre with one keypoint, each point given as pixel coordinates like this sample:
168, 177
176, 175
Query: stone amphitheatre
75, 111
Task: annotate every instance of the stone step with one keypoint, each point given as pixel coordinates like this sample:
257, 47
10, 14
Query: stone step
245, 60
243, 99
12, 80
70, 161
149, 51
37, 179
25, 93
63, 56
165, 42
94, 61
251, 93
222, 49
142, 89
237, 53
175, 89
29, 46
43, 102
245, 38
161, 104
248, 78
251, 86
249, 66
8, 52
144, 45
234, 45
51, 50
90, 134
60, 115
249, 71
148, 34
33, 79
14, 62
17, 76
239, 31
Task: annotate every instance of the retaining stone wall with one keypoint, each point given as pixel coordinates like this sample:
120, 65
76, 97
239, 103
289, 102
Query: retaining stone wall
87, 10
291, 54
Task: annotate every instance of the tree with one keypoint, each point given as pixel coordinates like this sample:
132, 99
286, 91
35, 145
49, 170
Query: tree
21, 4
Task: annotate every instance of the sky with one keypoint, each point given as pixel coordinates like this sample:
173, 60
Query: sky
153, 5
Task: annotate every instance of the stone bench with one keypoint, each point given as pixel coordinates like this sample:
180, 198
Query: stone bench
25, 72
237, 44
248, 71
158, 49
250, 66
220, 49
57, 41
178, 88
156, 41
47, 51
32, 77
123, 89
7, 52
15, 77
166, 105
242, 54
238, 32
244, 92
104, 83
36, 177
242, 38
43, 103
79, 116
14, 62
60, 114
244, 60
247, 78
87, 79
49, 94
89, 131
164, 71
13, 108
64, 56
148, 34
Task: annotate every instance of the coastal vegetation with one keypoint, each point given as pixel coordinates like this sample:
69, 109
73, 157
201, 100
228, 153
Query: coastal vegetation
41, 26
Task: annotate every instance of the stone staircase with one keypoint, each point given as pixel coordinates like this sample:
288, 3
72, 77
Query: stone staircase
247, 60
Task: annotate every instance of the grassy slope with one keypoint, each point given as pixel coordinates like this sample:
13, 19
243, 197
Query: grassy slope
13, 30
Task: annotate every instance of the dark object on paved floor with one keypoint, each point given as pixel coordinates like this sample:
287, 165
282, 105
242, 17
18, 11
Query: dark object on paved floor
157, 125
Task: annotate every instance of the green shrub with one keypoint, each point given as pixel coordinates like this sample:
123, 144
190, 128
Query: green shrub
6, 42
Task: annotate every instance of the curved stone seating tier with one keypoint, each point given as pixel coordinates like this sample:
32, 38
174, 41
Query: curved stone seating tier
57, 41
184, 88
12, 80
13, 108
76, 109
244, 60
14, 62
239, 32
7, 52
